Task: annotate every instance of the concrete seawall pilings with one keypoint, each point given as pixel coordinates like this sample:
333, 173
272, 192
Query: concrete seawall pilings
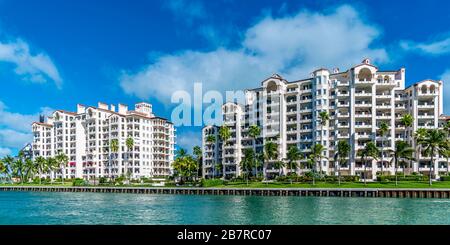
331, 192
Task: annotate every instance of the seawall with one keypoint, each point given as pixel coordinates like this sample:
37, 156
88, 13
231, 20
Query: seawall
330, 192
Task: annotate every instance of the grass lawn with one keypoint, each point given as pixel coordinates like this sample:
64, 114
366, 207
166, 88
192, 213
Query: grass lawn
404, 184
321, 184
67, 184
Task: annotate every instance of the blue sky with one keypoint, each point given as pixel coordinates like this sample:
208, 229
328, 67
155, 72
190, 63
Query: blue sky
55, 54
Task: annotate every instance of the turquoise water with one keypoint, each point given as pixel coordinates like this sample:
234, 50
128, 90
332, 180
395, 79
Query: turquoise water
108, 208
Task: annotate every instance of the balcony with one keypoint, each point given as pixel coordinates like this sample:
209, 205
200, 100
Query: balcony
383, 95
342, 94
343, 104
363, 104
383, 116
291, 112
305, 109
425, 106
363, 136
363, 94
363, 115
425, 116
343, 114
384, 106
342, 83
291, 102
363, 125
427, 93
305, 130
363, 81
342, 136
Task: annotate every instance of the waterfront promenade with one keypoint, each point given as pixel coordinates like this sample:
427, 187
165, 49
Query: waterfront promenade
325, 192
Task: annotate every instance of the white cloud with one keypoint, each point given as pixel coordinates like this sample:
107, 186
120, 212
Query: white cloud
38, 68
445, 77
15, 128
438, 47
4, 152
187, 140
292, 45
14, 139
187, 11
17, 121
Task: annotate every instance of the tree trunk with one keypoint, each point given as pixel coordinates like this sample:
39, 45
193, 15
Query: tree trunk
396, 169
339, 173
254, 151
382, 157
365, 173
431, 166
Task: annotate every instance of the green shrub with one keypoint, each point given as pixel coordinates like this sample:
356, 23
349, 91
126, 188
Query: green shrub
78, 182
388, 178
445, 178
211, 182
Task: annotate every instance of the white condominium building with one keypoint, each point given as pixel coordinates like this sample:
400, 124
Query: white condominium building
357, 100
85, 136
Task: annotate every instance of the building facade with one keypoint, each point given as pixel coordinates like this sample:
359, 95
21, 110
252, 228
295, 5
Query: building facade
357, 101
85, 136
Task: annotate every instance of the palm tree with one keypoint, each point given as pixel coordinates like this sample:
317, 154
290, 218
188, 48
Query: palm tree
52, 165
113, 149
62, 160
40, 166
181, 152
311, 164
254, 131
30, 168
224, 135
184, 165
419, 135
270, 153
407, 120
324, 117
129, 142
19, 169
434, 142
8, 162
247, 161
3, 168
384, 128
293, 155
316, 155
402, 152
197, 150
279, 164
370, 150
343, 151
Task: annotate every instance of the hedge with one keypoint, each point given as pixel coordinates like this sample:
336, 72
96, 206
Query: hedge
211, 182
344, 178
445, 178
386, 178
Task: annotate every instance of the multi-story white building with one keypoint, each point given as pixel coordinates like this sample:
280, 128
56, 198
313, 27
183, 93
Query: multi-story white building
357, 100
85, 136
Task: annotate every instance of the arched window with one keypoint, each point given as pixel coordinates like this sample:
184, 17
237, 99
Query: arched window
386, 79
271, 86
423, 89
432, 89
380, 79
365, 75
